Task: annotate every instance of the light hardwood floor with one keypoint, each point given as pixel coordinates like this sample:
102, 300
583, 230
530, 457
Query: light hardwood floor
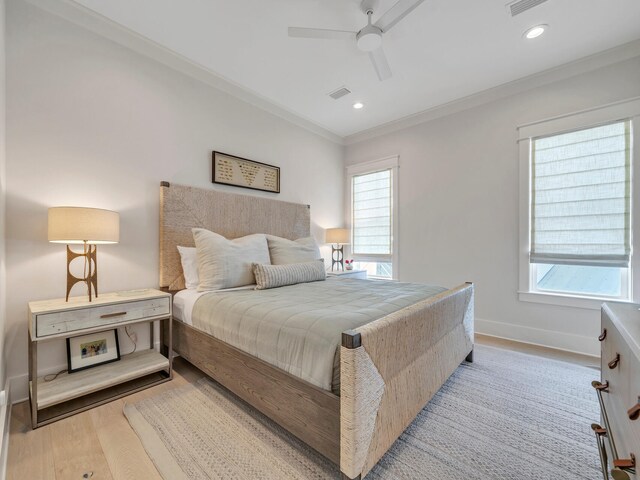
577, 358
99, 444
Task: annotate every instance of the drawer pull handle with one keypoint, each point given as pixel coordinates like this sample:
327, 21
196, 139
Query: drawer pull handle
603, 387
625, 463
603, 335
602, 452
614, 363
111, 315
634, 412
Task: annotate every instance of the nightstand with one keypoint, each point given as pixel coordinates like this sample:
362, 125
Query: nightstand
70, 393
362, 274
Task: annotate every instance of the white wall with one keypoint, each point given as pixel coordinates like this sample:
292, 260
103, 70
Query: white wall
91, 123
459, 203
3, 302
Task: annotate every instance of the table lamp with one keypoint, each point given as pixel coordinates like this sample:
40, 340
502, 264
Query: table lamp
339, 237
88, 227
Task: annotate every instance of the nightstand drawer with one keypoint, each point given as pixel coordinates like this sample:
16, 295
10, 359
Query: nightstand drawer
83, 318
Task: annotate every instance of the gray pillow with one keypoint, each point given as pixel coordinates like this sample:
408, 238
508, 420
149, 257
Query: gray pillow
272, 276
226, 263
283, 251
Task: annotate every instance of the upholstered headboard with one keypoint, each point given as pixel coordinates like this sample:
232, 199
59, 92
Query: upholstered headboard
229, 214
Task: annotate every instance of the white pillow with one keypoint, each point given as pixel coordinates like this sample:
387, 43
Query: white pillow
226, 263
189, 261
273, 276
283, 251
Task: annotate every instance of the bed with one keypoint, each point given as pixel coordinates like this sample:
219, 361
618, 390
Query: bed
388, 367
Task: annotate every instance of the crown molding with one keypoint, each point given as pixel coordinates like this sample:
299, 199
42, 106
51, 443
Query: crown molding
586, 64
105, 27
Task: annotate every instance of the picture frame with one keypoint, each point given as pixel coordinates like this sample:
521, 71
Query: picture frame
92, 349
242, 172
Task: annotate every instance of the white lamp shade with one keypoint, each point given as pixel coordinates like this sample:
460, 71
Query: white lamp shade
337, 235
78, 225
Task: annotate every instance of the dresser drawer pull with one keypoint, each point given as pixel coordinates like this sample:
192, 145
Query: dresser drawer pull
634, 412
111, 315
602, 452
625, 462
602, 387
605, 422
614, 363
621, 466
603, 335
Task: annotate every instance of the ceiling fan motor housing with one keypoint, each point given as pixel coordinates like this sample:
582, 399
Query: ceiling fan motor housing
369, 38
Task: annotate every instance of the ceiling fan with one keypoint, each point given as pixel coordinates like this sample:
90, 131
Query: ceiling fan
369, 38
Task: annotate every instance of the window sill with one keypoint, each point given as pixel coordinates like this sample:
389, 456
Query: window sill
589, 303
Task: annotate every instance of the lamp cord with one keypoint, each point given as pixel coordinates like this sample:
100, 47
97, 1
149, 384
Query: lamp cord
53, 376
135, 344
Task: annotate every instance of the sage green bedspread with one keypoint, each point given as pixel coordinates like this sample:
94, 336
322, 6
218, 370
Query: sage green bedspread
298, 328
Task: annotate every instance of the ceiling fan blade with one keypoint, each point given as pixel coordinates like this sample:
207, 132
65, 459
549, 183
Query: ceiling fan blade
301, 32
396, 13
379, 60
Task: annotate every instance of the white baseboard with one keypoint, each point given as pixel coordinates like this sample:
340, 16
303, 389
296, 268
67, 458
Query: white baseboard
568, 342
5, 419
19, 388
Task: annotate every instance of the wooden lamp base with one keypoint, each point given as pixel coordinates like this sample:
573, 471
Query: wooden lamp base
337, 257
90, 269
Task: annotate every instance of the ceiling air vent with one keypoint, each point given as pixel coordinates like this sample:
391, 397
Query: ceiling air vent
519, 6
339, 93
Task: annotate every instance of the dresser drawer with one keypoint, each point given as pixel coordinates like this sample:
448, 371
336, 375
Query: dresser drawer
634, 425
616, 352
105, 315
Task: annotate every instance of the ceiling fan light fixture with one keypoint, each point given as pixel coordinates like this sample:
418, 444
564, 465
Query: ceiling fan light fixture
535, 32
369, 38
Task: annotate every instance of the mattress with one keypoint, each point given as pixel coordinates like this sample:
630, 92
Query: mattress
297, 328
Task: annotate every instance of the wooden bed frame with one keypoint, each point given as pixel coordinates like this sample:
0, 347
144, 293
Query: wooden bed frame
383, 387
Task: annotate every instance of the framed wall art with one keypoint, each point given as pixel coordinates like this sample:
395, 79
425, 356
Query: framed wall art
241, 172
91, 350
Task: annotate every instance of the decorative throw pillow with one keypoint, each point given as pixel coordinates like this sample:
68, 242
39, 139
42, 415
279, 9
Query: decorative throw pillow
189, 261
224, 263
272, 276
283, 251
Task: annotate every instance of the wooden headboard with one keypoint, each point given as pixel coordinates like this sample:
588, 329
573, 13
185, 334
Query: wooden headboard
229, 214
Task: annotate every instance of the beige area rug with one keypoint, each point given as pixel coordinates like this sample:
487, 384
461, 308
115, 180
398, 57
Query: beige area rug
507, 416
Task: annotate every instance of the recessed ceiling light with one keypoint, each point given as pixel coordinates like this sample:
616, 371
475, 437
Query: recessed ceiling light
358, 105
535, 32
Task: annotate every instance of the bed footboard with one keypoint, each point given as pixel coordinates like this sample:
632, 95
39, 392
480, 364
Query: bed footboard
392, 367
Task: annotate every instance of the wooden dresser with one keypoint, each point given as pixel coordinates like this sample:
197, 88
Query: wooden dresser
618, 391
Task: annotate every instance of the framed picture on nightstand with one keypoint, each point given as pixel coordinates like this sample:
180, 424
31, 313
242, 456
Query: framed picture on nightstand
91, 350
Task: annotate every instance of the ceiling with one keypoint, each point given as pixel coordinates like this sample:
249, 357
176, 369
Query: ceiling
444, 50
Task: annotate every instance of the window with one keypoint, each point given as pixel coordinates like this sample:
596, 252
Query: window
580, 205
373, 188
579, 194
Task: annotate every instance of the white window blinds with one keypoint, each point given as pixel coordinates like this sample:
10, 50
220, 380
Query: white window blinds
581, 197
372, 222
